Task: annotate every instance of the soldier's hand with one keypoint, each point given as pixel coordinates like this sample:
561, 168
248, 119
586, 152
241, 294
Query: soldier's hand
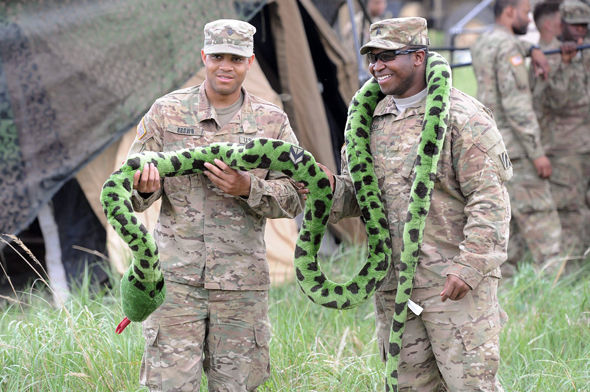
568, 51
233, 182
543, 166
148, 180
540, 63
329, 174
454, 289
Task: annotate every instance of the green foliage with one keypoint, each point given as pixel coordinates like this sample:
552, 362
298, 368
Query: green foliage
74, 348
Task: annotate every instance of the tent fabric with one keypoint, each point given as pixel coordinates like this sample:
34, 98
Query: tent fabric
302, 98
75, 75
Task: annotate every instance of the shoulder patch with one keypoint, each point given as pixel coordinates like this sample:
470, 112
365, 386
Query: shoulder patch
516, 60
141, 131
505, 159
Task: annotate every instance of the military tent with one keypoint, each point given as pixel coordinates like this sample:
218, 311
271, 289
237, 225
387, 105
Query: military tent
76, 76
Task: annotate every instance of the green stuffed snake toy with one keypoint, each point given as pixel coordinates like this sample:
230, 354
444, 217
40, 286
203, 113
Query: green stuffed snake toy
142, 286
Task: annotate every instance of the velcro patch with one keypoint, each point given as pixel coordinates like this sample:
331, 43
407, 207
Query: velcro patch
296, 154
505, 159
185, 131
516, 60
244, 139
141, 131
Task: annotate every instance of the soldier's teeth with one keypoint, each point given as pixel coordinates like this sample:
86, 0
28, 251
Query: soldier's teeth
383, 77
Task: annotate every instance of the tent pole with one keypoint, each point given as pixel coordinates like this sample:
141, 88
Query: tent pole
55, 268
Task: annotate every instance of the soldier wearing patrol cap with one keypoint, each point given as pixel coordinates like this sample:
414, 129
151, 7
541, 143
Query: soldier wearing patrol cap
211, 227
454, 341
503, 86
562, 102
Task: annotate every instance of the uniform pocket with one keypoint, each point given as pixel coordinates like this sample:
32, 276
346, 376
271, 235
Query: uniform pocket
262, 334
407, 169
481, 330
567, 190
149, 373
260, 365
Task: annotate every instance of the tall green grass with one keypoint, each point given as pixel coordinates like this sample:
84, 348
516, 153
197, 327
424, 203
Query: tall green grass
545, 345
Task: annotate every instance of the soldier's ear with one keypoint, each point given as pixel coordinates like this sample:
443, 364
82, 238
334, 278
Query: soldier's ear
251, 60
203, 56
419, 57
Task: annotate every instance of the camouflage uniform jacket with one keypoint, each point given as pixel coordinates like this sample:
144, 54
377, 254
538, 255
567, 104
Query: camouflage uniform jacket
562, 104
466, 230
205, 236
503, 86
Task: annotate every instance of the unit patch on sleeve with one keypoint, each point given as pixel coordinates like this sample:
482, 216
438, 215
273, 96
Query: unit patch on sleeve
141, 131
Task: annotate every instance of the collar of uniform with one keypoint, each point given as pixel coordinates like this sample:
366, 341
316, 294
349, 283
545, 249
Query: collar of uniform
246, 112
387, 106
204, 110
502, 29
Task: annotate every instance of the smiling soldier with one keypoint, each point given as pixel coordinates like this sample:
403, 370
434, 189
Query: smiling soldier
211, 228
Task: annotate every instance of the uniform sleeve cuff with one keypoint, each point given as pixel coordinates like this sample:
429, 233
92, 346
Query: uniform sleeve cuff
537, 153
256, 191
469, 275
140, 202
337, 206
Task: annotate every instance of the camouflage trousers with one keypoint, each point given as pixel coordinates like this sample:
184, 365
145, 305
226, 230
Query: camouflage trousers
224, 333
569, 184
452, 346
535, 221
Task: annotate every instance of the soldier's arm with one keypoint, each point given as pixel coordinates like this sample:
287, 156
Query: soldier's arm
562, 84
344, 202
517, 100
482, 166
148, 138
276, 196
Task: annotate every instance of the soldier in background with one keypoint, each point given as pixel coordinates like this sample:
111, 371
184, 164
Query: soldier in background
211, 228
503, 86
376, 9
548, 21
562, 101
454, 342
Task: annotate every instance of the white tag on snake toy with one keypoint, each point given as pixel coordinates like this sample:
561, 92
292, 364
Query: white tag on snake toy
414, 307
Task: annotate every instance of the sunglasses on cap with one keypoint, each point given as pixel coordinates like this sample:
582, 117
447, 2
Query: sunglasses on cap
389, 55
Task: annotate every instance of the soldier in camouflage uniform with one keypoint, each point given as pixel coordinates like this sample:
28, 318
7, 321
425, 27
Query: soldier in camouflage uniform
452, 343
562, 103
503, 86
211, 227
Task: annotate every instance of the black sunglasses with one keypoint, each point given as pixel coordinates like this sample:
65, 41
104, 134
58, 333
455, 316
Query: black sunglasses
388, 55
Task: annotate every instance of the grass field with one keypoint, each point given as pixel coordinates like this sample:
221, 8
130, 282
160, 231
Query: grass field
545, 345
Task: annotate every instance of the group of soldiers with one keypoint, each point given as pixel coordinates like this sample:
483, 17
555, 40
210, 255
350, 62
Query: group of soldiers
529, 159
543, 114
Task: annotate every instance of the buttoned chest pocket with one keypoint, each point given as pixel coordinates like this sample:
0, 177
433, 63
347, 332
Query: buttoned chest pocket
408, 166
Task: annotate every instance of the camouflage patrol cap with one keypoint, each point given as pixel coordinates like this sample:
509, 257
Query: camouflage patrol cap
575, 12
229, 36
397, 33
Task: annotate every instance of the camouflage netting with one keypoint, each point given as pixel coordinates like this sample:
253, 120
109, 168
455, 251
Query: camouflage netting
75, 75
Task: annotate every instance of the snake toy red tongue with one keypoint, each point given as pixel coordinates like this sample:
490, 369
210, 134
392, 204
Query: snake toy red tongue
122, 325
